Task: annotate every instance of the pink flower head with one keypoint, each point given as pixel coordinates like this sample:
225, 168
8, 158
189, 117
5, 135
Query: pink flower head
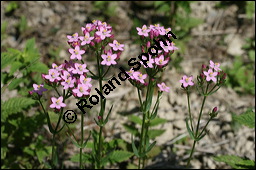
187, 81
53, 75
163, 87
130, 73
86, 39
85, 80
58, 68
139, 76
80, 69
81, 90
65, 75
108, 59
116, 46
143, 31
215, 66
166, 48
57, 103
210, 75
68, 83
150, 61
76, 53
161, 61
103, 33
88, 27
39, 89
72, 38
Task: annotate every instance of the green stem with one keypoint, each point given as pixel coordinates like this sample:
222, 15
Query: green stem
141, 137
99, 154
198, 123
191, 153
189, 111
205, 127
82, 139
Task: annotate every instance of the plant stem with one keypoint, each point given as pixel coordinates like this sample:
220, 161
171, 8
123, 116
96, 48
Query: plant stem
101, 120
191, 153
189, 111
141, 137
82, 139
198, 123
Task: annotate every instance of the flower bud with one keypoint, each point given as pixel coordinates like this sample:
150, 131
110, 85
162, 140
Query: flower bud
148, 44
203, 66
215, 109
99, 117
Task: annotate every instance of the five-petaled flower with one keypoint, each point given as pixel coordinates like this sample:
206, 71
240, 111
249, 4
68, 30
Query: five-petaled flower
39, 89
210, 75
57, 103
215, 66
139, 76
76, 53
143, 31
108, 59
81, 90
161, 61
86, 39
187, 81
73, 38
163, 87
116, 46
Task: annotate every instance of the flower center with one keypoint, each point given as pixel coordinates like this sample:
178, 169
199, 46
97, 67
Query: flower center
80, 68
109, 58
58, 102
187, 80
81, 89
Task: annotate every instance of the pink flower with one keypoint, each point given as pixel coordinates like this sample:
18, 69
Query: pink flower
57, 103
65, 75
150, 61
72, 38
103, 33
160, 61
143, 31
80, 69
163, 87
39, 89
68, 83
76, 53
86, 39
81, 90
116, 46
215, 66
138, 76
187, 81
210, 75
108, 59
130, 73
53, 75
167, 48
85, 80
88, 27
58, 68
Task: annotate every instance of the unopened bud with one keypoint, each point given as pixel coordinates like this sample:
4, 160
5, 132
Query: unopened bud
99, 117
215, 109
203, 66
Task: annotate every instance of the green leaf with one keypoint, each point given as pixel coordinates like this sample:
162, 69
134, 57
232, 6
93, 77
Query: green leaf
150, 146
15, 66
42, 153
120, 156
30, 52
75, 143
135, 119
38, 67
158, 3
15, 83
153, 133
191, 134
76, 158
16, 104
135, 150
131, 129
157, 121
106, 120
247, 119
6, 59
236, 162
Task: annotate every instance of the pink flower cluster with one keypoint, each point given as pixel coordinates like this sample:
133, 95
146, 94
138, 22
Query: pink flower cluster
158, 54
211, 73
72, 76
93, 34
